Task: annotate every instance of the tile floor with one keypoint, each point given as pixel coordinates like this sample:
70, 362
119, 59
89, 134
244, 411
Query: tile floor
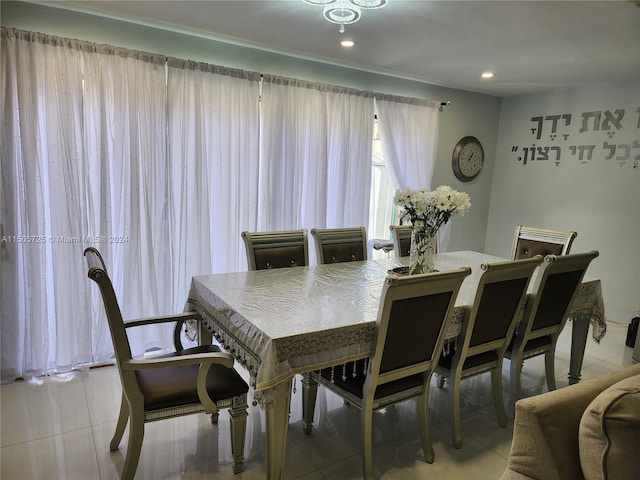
60, 429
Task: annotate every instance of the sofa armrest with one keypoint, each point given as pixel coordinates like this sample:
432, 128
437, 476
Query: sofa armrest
545, 432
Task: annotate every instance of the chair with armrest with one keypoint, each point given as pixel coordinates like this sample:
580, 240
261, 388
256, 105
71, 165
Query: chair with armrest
335, 245
184, 382
486, 333
530, 241
276, 249
546, 311
412, 320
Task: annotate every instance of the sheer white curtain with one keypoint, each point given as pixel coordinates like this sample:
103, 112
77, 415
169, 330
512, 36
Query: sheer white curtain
126, 169
315, 151
161, 167
214, 128
408, 129
83, 137
41, 186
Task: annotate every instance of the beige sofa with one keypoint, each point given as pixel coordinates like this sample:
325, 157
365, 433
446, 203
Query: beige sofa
586, 431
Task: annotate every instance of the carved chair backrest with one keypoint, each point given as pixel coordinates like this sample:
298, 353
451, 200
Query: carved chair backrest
340, 244
98, 273
412, 320
500, 295
276, 249
401, 240
554, 291
529, 242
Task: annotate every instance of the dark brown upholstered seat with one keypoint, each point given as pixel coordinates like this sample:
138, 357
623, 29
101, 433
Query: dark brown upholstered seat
545, 314
335, 245
277, 249
187, 381
486, 333
412, 320
529, 242
176, 386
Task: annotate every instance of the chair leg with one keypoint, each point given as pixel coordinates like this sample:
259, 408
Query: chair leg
423, 425
136, 435
515, 368
238, 419
367, 440
496, 390
123, 418
550, 369
309, 394
454, 408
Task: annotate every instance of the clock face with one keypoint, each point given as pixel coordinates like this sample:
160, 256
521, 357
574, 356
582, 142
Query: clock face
468, 159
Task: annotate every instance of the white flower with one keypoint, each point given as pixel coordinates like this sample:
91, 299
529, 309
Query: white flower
428, 210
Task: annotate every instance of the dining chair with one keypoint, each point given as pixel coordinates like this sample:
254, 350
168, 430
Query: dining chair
485, 334
335, 245
276, 249
531, 241
546, 311
413, 316
183, 382
402, 240
401, 235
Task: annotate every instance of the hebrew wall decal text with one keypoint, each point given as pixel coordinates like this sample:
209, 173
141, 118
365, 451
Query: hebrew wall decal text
564, 138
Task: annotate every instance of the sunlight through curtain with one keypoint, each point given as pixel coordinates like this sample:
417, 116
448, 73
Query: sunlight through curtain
315, 155
408, 129
82, 163
213, 126
126, 188
161, 163
41, 188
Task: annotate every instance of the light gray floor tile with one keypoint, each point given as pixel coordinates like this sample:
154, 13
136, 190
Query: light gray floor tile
62, 429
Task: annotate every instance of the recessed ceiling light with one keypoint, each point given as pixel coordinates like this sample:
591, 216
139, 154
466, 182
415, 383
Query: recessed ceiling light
347, 43
488, 75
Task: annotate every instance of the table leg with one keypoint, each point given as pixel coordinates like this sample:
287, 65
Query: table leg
579, 334
276, 408
204, 335
309, 394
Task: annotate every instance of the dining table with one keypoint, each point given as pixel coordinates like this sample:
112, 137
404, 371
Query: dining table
282, 322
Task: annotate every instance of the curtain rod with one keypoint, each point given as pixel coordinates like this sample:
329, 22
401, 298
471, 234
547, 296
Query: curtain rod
5, 30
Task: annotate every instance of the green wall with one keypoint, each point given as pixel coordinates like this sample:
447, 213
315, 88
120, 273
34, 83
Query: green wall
584, 175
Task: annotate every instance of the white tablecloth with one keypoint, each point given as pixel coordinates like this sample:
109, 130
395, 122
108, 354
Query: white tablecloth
285, 321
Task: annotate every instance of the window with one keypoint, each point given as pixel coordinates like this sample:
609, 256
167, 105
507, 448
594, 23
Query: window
382, 212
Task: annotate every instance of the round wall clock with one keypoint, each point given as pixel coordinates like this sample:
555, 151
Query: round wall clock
467, 159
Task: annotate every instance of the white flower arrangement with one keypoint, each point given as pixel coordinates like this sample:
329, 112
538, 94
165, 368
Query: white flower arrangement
428, 210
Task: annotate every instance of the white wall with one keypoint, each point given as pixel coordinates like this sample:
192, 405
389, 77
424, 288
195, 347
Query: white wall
598, 196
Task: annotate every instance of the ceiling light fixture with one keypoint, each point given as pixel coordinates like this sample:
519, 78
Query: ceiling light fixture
347, 43
345, 12
488, 75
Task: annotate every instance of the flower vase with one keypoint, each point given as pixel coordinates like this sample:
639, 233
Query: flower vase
422, 253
